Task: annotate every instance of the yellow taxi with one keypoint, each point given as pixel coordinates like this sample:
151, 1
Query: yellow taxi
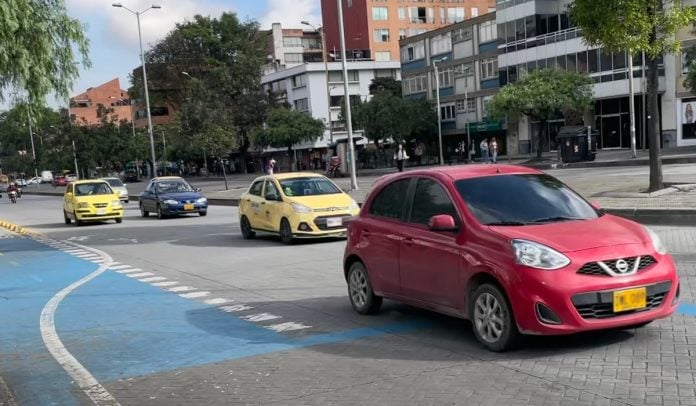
91, 200
295, 205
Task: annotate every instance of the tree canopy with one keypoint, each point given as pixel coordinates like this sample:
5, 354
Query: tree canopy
543, 94
38, 41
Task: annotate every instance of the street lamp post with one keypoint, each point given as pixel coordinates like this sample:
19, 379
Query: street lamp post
631, 105
147, 95
31, 136
349, 124
439, 112
466, 114
324, 52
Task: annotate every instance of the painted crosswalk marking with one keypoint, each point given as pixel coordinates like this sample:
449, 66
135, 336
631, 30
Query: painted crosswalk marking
129, 270
217, 301
289, 326
261, 317
139, 274
177, 289
164, 284
117, 267
194, 295
235, 308
153, 279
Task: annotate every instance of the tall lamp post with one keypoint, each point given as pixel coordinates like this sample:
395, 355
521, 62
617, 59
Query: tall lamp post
466, 71
439, 112
147, 95
324, 52
349, 123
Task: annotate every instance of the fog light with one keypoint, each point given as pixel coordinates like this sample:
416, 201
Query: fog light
546, 315
305, 227
676, 295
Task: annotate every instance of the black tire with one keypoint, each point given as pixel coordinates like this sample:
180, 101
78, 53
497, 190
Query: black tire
119, 220
160, 215
202, 213
360, 293
66, 218
144, 212
285, 232
245, 226
126, 202
485, 297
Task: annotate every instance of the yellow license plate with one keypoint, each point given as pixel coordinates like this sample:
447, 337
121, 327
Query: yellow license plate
188, 207
630, 299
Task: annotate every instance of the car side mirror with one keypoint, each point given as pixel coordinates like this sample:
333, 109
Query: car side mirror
272, 197
198, 189
442, 222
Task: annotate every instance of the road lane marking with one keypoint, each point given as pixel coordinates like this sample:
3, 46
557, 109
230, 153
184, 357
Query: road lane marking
163, 284
217, 301
117, 267
82, 377
235, 308
129, 270
289, 326
153, 279
261, 317
194, 295
177, 289
139, 274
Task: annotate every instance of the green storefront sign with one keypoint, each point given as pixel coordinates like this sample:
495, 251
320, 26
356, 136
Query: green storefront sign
484, 126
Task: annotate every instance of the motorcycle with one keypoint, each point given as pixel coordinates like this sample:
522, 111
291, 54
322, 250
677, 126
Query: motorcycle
13, 196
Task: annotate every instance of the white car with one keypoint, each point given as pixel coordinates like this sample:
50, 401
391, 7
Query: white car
21, 182
71, 177
34, 181
118, 187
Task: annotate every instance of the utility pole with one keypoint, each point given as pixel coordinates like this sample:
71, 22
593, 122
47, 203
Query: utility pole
349, 124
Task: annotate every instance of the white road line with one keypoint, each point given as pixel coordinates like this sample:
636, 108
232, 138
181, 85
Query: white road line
235, 308
87, 255
70, 251
194, 295
217, 301
139, 274
153, 279
178, 289
163, 284
86, 381
261, 317
129, 270
289, 326
117, 267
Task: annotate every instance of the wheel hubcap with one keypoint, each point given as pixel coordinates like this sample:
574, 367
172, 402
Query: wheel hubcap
488, 317
358, 288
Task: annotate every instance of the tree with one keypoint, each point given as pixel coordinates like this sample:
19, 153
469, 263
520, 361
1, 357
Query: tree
386, 84
285, 128
38, 42
542, 94
637, 26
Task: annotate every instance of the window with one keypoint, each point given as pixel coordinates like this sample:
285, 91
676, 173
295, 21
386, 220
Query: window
445, 75
402, 13
293, 58
489, 68
413, 52
337, 76
382, 35
487, 32
402, 33
389, 202
415, 84
256, 188
430, 200
382, 56
474, 12
486, 100
308, 186
271, 188
440, 44
299, 81
380, 13
302, 104
455, 15
465, 69
385, 73
417, 14
292, 42
338, 101
91, 189
448, 112
466, 105
462, 34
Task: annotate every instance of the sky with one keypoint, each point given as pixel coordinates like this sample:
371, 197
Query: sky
113, 32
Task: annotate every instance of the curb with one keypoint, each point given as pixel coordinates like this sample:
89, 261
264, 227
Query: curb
18, 229
6, 396
611, 164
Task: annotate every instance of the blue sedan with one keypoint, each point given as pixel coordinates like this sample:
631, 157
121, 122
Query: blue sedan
171, 196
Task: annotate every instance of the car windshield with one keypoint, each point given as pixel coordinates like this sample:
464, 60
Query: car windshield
309, 186
514, 200
173, 186
115, 182
92, 189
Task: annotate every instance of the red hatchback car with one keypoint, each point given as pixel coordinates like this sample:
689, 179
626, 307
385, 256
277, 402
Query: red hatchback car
510, 248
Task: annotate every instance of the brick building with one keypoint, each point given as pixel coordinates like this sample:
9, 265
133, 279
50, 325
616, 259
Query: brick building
89, 107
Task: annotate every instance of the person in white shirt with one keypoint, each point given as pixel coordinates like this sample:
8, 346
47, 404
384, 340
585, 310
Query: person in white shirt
400, 156
484, 150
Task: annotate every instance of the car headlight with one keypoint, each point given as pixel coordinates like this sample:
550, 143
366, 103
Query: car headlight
659, 246
202, 200
354, 205
535, 255
116, 203
83, 205
124, 193
301, 208
170, 201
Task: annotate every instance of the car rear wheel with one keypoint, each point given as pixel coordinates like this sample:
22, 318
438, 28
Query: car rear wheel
143, 212
65, 217
245, 226
492, 318
285, 232
362, 297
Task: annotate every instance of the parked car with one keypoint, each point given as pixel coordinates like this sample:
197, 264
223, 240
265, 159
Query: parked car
119, 188
171, 195
46, 177
91, 200
510, 248
21, 182
130, 176
71, 177
34, 181
295, 205
60, 181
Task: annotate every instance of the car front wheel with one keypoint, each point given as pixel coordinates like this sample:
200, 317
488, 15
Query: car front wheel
492, 318
285, 232
245, 226
143, 212
362, 297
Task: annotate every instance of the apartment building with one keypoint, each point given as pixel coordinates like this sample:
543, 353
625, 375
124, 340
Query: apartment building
466, 54
373, 28
288, 47
106, 101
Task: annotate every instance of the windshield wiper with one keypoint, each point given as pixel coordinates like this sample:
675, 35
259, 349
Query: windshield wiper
557, 218
507, 223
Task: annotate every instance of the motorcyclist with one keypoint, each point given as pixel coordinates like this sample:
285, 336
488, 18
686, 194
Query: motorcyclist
12, 188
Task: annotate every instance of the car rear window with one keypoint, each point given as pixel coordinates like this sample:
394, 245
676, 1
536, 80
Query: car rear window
522, 199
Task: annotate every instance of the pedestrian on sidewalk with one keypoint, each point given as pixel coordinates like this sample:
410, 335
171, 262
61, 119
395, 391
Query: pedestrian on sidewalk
494, 150
484, 150
271, 166
400, 156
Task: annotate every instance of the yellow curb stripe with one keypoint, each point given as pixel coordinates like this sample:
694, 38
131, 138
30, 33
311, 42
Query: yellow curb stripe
19, 229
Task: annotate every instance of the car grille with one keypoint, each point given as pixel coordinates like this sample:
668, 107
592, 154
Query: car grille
100, 205
320, 222
594, 268
331, 209
600, 305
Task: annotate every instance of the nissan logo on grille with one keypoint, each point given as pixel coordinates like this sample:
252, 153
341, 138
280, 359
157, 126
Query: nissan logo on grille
621, 266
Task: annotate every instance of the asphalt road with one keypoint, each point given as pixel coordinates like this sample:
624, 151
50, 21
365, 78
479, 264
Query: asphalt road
184, 311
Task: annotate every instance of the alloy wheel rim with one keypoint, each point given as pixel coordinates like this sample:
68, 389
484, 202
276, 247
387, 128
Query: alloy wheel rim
358, 288
488, 318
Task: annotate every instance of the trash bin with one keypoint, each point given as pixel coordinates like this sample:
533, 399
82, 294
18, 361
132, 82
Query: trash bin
577, 144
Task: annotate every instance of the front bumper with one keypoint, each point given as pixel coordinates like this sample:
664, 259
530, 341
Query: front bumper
321, 224
585, 302
175, 209
94, 215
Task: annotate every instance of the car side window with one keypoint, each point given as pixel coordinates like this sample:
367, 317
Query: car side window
150, 188
256, 188
430, 200
271, 188
389, 202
